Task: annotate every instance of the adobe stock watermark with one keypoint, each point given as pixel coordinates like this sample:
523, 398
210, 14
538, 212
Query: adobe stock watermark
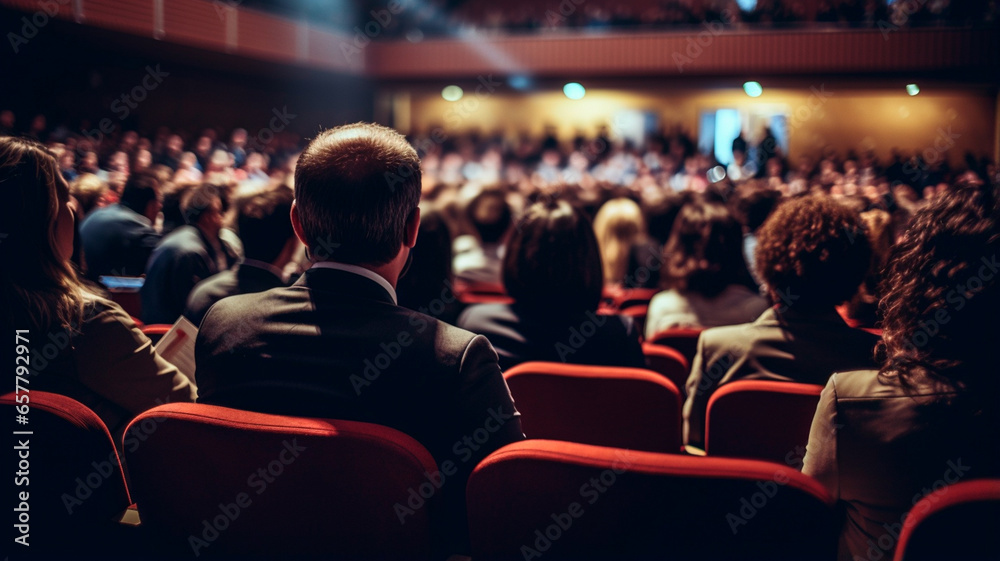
31, 25
229, 513
562, 522
363, 35
696, 45
903, 10
464, 451
123, 106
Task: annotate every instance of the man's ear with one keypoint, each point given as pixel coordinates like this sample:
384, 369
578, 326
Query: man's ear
412, 227
297, 225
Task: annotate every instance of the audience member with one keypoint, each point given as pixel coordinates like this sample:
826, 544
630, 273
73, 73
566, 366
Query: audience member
618, 225
118, 239
707, 280
812, 254
553, 271
190, 254
268, 245
479, 256
883, 439
336, 344
103, 360
427, 284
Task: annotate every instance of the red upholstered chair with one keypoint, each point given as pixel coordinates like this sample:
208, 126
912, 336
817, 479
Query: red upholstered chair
684, 340
608, 406
155, 331
482, 293
634, 297
761, 419
669, 362
562, 500
638, 314
213, 481
959, 522
76, 489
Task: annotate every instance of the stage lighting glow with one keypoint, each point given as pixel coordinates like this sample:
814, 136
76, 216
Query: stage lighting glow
574, 90
753, 89
452, 93
912, 89
716, 174
519, 82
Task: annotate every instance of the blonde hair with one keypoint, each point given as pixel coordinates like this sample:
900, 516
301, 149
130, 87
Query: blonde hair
619, 224
88, 190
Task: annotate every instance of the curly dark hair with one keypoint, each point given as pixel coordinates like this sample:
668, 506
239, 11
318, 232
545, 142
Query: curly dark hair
812, 253
941, 303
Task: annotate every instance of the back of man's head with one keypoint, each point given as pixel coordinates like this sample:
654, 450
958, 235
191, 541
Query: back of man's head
263, 222
355, 187
141, 188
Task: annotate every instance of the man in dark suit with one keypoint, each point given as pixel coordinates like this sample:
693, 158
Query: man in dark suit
268, 245
812, 254
336, 344
187, 256
118, 239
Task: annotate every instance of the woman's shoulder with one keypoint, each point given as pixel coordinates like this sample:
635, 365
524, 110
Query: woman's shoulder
100, 312
870, 384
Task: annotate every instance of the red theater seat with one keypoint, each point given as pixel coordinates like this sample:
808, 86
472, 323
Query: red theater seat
155, 331
560, 500
684, 340
213, 481
482, 293
761, 419
669, 362
638, 314
958, 523
634, 297
607, 406
71, 472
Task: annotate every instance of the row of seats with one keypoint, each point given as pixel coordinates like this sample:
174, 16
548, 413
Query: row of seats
216, 482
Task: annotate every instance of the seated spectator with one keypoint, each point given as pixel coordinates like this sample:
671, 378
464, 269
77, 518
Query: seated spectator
67, 165
707, 281
553, 271
118, 239
479, 256
861, 309
753, 205
173, 216
883, 439
268, 245
103, 360
336, 344
89, 191
618, 225
427, 284
645, 258
812, 253
189, 255
187, 169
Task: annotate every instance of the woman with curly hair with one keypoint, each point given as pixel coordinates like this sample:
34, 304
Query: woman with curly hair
88, 348
882, 439
811, 254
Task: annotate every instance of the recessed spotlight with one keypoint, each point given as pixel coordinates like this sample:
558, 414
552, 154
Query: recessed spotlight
912, 89
452, 93
574, 90
753, 89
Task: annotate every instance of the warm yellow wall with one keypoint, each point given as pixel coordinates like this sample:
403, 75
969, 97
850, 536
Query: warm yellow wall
844, 118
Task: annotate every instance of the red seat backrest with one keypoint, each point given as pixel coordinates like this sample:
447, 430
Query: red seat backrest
235, 483
684, 340
668, 362
763, 419
155, 331
956, 522
565, 500
607, 406
72, 474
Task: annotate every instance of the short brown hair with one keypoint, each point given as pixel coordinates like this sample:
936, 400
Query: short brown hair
812, 253
355, 187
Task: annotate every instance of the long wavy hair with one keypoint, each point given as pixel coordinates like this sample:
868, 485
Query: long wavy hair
39, 289
941, 304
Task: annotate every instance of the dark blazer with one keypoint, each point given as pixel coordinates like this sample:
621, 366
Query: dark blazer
588, 338
790, 347
244, 278
117, 241
335, 345
182, 260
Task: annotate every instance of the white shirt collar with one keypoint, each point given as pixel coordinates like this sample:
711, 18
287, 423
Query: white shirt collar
367, 273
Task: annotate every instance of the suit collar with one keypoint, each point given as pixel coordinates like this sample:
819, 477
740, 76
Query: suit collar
258, 270
346, 283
